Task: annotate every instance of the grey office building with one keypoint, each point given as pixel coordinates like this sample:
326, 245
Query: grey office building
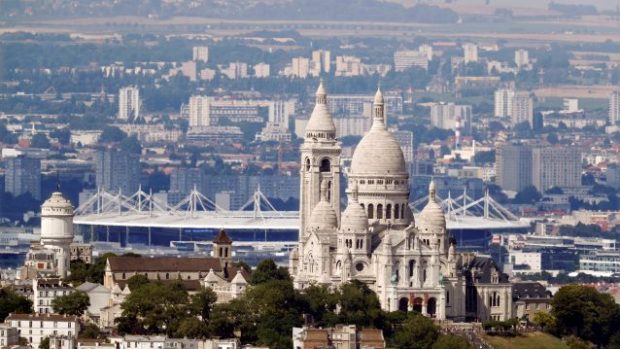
556, 167
23, 175
513, 166
118, 171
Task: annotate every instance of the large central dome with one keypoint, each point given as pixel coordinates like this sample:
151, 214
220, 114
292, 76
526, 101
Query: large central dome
378, 153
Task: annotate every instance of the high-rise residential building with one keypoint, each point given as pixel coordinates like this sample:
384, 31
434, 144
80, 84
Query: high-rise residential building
235, 70
522, 58
262, 70
470, 53
118, 171
522, 108
199, 111
23, 175
128, 103
300, 67
556, 167
427, 50
448, 115
348, 66
405, 139
185, 179
200, 53
503, 102
613, 175
408, 59
571, 105
513, 166
322, 59
614, 107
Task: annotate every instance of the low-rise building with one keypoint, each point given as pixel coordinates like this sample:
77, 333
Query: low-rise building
8, 335
529, 298
339, 336
36, 327
45, 291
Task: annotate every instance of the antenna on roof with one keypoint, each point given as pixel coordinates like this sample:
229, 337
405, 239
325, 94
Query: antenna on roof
57, 180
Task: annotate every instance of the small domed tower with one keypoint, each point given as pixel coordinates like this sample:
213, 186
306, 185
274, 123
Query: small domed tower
432, 223
57, 230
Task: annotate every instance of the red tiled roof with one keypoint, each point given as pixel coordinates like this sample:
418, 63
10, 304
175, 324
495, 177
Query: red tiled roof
163, 264
222, 238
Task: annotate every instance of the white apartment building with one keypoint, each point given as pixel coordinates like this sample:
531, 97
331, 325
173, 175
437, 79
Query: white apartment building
322, 60
446, 115
199, 111
604, 262
533, 260
470, 53
8, 335
235, 70
427, 50
150, 342
45, 291
408, 59
300, 67
522, 58
503, 102
349, 66
37, 327
522, 108
614, 107
128, 103
571, 105
200, 53
262, 70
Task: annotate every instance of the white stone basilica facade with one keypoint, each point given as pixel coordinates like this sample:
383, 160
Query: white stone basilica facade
409, 265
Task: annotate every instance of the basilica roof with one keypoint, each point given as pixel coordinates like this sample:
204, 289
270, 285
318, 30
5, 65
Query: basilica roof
354, 216
378, 153
320, 121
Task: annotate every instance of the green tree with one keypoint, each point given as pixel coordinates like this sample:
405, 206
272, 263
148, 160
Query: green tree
267, 270
131, 145
452, 342
63, 135
40, 140
485, 157
158, 308
45, 343
112, 134
528, 195
322, 304
192, 327
11, 302
75, 303
202, 303
91, 331
417, 332
574, 342
584, 312
137, 281
359, 305
6, 136
544, 321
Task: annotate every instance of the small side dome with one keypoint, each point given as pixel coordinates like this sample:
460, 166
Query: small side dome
323, 216
354, 216
57, 205
432, 214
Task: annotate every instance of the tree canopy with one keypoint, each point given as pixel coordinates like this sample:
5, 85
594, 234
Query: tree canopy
11, 302
74, 303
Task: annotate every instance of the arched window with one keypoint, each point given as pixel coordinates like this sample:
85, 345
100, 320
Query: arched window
325, 165
396, 211
167, 276
411, 267
379, 211
402, 211
371, 213
388, 211
307, 164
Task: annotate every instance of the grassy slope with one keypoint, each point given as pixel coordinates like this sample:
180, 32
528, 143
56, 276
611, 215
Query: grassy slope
536, 340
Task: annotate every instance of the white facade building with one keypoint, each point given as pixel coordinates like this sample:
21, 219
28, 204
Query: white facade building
522, 58
522, 108
8, 335
408, 59
199, 111
262, 70
200, 53
35, 328
411, 266
349, 66
448, 115
470, 53
503, 102
45, 291
614, 107
322, 60
128, 103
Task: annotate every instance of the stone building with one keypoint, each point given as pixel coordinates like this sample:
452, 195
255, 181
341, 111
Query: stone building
410, 265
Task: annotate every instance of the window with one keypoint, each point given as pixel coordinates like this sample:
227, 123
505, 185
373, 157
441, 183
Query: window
379, 211
307, 164
167, 276
325, 166
396, 213
371, 211
388, 211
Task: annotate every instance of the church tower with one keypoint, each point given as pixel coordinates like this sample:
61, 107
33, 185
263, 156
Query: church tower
57, 230
320, 161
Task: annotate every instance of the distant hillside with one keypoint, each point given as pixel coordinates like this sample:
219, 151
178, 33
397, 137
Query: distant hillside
350, 10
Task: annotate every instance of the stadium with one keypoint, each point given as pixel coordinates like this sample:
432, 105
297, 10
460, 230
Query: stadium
195, 220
